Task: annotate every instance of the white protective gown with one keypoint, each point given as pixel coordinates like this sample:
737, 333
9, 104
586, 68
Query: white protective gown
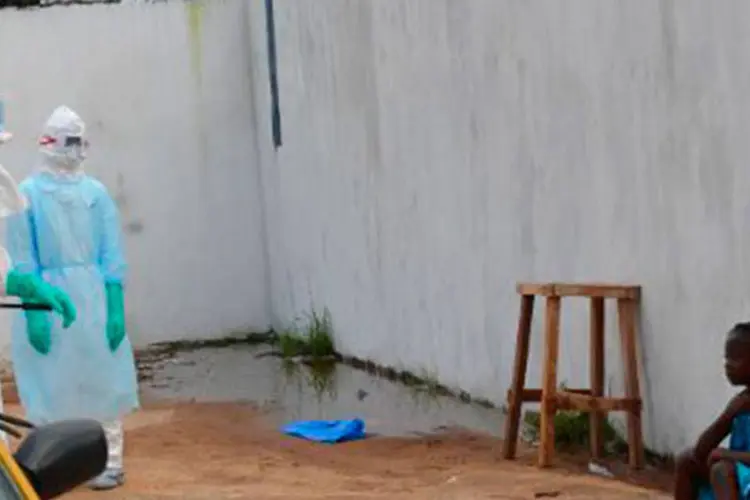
11, 202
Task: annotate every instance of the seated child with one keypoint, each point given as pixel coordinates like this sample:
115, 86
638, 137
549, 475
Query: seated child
705, 471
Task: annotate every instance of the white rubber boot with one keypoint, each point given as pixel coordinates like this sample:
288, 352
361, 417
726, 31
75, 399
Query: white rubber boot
113, 476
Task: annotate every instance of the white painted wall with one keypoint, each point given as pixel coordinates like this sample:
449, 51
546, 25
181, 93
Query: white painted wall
438, 151
165, 91
435, 152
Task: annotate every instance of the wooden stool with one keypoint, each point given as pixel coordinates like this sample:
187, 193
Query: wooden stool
588, 400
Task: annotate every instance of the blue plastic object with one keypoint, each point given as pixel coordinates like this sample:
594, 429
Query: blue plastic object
327, 431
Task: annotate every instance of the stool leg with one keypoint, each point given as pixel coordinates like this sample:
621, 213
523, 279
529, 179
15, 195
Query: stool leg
596, 371
626, 317
515, 396
549, 381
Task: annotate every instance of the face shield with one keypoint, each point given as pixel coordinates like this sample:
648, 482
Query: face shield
63, 142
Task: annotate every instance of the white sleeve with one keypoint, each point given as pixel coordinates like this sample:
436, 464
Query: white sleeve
5, 266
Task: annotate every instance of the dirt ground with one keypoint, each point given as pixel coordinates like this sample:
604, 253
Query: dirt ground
222, 451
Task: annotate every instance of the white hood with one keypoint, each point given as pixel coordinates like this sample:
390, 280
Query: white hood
64, 124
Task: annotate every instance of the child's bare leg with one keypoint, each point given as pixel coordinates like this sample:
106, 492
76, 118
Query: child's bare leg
724, 480
689, 474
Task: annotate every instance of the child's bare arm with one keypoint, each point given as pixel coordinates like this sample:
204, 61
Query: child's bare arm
742, 457
713, 436
721, 427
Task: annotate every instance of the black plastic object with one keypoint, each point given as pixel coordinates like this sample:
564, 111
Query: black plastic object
28, 307
8, 424
60, 456
17, 421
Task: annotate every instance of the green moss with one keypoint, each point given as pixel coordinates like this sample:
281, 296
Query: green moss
233, 339
424, 384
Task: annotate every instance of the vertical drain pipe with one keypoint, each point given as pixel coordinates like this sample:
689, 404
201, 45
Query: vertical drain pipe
272, 76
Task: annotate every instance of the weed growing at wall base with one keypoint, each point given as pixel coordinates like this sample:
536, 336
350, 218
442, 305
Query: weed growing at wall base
572, 431
314, 338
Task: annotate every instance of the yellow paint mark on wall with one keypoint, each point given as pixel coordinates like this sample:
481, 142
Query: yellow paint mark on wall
195, 9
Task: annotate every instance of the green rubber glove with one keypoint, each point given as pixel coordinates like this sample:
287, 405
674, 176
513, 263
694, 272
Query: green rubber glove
69, 312
39, 330
115, 315
31, 288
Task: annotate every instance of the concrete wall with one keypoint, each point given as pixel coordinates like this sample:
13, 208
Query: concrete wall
165, 90
436, 152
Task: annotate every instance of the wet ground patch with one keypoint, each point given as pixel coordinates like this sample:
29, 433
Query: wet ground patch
302, 387
294, 378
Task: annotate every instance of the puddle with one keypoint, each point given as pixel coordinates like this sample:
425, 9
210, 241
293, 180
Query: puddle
294, 392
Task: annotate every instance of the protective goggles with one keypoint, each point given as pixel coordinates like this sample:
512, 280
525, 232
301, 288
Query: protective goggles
68, 142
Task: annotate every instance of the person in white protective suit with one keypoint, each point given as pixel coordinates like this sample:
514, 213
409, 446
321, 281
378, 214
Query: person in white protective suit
28, 287
71, 235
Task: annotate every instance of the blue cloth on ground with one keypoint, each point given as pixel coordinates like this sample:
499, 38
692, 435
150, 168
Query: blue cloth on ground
739, 440
326, 431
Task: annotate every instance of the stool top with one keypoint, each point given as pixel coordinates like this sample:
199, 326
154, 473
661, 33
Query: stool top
602, 290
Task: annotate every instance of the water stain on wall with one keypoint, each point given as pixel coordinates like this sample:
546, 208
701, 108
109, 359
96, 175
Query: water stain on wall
130, 225
196, 11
